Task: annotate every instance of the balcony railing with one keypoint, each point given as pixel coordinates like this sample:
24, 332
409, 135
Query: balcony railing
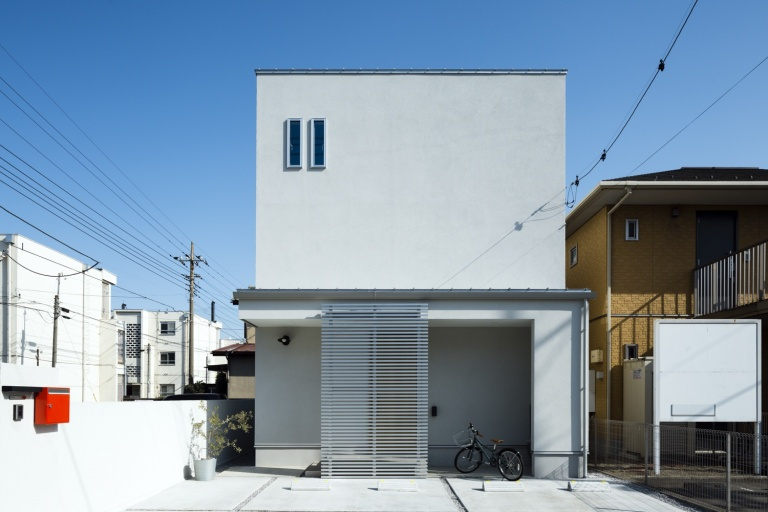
731, 282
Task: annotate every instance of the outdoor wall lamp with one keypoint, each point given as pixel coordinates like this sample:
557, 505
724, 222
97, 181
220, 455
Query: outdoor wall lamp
284, 340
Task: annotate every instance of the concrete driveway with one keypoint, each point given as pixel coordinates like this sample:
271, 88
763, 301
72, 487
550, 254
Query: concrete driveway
252, 489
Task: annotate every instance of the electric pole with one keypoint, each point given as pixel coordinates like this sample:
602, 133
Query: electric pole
191, 259
57, 309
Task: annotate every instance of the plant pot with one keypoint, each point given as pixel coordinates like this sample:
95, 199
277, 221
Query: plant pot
205, 469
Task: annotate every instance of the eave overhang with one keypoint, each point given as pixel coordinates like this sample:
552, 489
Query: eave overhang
259, 294
673, 193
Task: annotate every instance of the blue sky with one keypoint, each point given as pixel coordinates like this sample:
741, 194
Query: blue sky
166, 91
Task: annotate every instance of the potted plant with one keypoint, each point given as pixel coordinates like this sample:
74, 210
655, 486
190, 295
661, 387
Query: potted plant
212, 434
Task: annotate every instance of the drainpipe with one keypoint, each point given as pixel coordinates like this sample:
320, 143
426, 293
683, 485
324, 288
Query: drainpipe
608, 344
585, 385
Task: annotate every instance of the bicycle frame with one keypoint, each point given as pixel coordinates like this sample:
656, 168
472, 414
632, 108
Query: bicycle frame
473, 452
488, 452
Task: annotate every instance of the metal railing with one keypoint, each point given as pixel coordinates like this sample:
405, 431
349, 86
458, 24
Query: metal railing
736, 280
715, 469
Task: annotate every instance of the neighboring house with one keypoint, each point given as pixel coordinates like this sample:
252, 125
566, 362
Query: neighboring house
409, 274
239, 367
87, 355
689, 243
157, 351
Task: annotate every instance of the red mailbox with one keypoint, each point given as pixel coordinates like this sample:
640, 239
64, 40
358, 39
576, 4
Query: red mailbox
52, 406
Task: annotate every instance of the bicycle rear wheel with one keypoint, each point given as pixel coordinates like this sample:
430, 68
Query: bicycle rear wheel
510, 464
468, 459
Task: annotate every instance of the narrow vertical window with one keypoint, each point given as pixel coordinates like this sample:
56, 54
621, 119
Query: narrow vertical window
574, 255
631, 231
293, 143
317, 136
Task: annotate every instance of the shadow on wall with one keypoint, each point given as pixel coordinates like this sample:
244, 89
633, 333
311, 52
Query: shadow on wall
548, 209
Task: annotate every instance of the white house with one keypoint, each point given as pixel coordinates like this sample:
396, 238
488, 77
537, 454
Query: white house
409, 273
31, 275
157, 351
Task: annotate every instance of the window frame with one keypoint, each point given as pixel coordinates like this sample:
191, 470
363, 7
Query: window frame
169, 356
288, 124
312, 162
627, 224
167, 332
163, 394
574, 255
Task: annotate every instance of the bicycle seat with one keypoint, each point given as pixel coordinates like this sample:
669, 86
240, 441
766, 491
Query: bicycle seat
497, 441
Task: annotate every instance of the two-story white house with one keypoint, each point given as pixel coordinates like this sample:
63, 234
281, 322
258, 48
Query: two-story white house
87, 340
157, 351
409, 276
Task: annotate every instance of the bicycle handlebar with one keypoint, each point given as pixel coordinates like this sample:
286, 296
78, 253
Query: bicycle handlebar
474, 430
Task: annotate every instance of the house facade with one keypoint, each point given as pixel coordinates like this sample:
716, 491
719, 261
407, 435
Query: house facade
688, 243
408, 277
157, 351
87, 357
239, 368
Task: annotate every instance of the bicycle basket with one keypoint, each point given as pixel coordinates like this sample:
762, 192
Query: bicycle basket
463, 438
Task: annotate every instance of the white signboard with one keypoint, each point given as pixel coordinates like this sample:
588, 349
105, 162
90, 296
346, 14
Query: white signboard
707, 370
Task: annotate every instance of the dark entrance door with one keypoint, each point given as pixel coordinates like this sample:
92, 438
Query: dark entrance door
715, 236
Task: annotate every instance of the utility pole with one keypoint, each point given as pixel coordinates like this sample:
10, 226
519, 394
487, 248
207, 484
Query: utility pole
57, 310
191, 259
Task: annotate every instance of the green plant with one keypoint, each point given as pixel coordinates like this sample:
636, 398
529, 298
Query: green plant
197, 387
215, 435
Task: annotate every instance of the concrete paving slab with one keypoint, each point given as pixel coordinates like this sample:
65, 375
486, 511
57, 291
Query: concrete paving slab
588, 486
219, 494
242, 471
539, 496
624, 498
352, 496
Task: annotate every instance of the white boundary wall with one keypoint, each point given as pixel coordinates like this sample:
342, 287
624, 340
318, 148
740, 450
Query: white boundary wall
108, 457
707, 370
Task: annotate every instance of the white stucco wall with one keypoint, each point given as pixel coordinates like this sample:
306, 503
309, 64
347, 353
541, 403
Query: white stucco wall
28, 280
451, 181
288, 378
482, 375
107, 458
287, 397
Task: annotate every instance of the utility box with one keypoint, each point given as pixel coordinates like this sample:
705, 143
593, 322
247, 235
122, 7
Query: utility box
638, 390
638, 404
52, 406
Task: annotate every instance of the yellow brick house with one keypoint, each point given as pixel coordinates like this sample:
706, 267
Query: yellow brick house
688, 243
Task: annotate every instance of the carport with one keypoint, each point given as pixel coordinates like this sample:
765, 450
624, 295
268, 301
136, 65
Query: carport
374, 383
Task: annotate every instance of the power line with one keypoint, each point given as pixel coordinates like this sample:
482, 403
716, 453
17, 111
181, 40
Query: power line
701, 114
92, 142
75, 214
123, 241
70, 143
91, 235
94, 277
119, 196
49, 275
45, 233
660, 68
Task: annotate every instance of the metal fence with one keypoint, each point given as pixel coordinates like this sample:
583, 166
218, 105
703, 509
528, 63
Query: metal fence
715, 469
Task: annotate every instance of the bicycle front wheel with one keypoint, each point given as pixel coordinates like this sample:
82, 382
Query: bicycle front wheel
468, 459
510, 464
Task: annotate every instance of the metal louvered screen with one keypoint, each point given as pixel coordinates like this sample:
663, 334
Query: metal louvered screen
374, 390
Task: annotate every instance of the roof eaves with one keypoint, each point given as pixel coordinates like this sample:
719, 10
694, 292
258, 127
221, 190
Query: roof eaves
411, 71
412, 294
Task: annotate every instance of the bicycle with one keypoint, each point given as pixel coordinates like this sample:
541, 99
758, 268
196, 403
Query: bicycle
470, 457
